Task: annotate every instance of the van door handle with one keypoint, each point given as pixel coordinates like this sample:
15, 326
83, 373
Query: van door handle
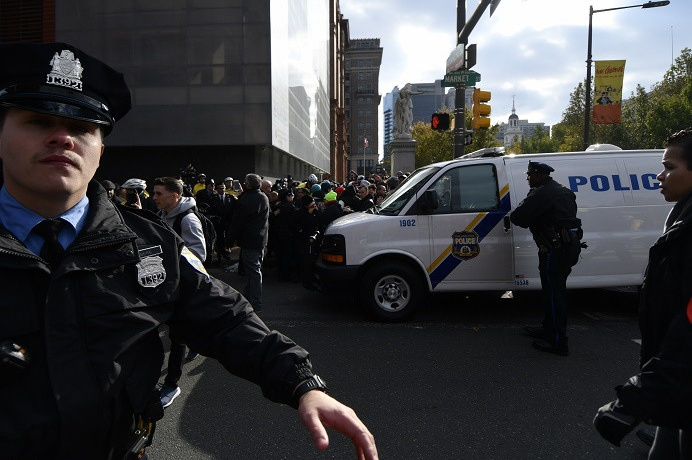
508, 227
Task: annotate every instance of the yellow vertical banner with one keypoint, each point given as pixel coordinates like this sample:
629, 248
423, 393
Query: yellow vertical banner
607, 107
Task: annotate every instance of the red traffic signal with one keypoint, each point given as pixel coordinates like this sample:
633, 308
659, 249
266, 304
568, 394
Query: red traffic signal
439, 121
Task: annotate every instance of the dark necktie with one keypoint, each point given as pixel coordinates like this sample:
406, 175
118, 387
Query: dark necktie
52, 251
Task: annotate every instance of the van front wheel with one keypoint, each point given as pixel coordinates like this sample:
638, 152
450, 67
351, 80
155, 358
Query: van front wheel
391, 291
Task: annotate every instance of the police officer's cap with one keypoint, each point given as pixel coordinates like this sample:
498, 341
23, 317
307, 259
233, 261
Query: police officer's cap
59, 79
541, 168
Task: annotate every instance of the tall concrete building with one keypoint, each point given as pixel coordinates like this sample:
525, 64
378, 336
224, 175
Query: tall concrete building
230, 87
362, 67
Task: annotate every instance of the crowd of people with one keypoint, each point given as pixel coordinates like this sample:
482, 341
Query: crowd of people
299, 211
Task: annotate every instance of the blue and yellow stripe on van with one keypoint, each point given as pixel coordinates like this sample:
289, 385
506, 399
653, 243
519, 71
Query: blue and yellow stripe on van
482, 224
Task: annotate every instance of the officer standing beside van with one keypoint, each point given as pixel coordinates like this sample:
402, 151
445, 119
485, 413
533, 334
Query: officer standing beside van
549, 211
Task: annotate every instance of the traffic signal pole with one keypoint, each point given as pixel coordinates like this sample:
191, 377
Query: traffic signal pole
460, 90
463, 31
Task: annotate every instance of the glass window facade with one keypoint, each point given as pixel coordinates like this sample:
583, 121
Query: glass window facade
300, 79
218, 73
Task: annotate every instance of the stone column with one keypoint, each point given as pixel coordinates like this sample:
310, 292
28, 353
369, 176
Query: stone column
403, 154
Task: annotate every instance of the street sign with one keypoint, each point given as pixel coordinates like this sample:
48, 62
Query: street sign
455, 61
461, 77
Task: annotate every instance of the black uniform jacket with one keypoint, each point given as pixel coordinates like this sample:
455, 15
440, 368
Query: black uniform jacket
548, 205
662, 393
91, 330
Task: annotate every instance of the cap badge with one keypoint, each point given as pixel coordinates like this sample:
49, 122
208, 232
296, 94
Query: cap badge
67, 71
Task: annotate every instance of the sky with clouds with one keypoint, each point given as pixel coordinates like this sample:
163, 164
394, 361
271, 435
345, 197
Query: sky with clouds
532, 50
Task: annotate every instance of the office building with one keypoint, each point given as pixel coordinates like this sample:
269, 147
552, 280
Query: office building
362, 68
229, 87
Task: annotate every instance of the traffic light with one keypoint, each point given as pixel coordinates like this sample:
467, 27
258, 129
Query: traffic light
439, 121
481, 110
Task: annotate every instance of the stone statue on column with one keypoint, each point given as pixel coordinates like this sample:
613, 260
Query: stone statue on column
403, 112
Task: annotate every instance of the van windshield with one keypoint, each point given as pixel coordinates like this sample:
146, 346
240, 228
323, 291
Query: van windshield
401, 195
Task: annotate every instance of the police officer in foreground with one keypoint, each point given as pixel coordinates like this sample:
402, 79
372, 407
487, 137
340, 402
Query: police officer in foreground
87, 284
550, 212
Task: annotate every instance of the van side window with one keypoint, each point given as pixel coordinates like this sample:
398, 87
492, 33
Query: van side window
467, 189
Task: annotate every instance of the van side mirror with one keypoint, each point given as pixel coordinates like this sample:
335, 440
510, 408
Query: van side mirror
429, 201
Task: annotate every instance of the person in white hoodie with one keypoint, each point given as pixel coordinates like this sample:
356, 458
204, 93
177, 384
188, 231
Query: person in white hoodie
169, 199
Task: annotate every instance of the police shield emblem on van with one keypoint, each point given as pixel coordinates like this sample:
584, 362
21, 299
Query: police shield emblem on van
465, 245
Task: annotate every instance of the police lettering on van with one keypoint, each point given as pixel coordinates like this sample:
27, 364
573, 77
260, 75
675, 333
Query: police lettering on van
603, 183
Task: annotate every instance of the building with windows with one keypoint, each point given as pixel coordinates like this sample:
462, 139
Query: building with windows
229, 87
388, 116
339, 123
428, 98
515, 129
363, 58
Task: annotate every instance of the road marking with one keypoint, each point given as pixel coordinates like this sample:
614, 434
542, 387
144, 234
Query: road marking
589, 315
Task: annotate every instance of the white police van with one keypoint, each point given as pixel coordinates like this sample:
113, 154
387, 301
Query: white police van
447, 228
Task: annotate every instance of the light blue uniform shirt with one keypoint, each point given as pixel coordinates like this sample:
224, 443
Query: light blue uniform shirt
20, 221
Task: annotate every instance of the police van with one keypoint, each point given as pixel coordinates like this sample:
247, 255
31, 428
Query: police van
447, 228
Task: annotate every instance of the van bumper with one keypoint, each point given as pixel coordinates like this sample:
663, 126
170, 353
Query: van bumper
335, 276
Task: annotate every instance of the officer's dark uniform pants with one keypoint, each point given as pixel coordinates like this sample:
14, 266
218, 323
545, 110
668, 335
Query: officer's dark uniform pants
555, 265
175, 363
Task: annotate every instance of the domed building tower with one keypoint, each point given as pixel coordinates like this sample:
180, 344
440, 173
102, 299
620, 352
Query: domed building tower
513, 131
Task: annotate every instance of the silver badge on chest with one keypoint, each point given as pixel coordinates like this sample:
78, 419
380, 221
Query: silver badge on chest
150, 272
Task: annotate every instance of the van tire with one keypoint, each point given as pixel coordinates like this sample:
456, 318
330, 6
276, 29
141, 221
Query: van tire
391, 291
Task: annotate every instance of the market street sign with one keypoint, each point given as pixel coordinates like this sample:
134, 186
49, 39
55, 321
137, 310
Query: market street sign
461, 77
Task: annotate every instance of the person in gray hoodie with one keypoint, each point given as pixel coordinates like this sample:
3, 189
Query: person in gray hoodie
169, 199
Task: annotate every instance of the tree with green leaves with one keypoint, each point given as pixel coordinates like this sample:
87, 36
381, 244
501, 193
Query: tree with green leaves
539, 142
569, 133
433, 146
648, 118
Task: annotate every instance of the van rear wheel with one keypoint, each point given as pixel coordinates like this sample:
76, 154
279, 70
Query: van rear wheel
391, 291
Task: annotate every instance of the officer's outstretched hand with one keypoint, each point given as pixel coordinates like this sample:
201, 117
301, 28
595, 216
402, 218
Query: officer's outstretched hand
613, 422
319, 411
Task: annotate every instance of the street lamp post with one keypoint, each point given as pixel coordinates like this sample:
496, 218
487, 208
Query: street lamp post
587, 108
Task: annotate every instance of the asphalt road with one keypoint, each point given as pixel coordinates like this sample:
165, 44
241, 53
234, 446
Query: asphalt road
459, 381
